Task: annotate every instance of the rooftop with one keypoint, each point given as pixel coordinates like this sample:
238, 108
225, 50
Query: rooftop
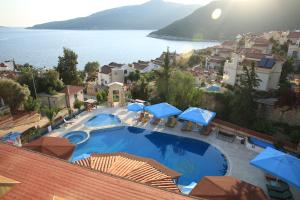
132, 167
40, 181
294, 34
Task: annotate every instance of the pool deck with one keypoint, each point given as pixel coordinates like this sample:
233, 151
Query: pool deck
238, 155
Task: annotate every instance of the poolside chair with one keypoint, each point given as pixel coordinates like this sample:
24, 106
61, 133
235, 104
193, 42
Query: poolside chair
171, 122
68, 122
146, 118
207, 130
155, 121
280, 195
141, 117
278, 187
187, 126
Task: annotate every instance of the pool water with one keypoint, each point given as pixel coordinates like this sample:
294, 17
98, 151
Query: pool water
76, 137
103, 120
192, 158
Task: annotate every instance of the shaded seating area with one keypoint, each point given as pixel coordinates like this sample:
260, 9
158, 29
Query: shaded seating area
226, 137
52, 146
161, 111
171, 122
281, 168
227, 188
197, 117
139, 169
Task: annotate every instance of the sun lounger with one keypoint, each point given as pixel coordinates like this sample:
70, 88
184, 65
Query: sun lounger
155, 121
146, 118
68, 122
171, 122
188, 126
280, 195
278, 187
141, 117
206, 131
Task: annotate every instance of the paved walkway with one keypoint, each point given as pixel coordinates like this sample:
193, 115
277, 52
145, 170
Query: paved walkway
238, 155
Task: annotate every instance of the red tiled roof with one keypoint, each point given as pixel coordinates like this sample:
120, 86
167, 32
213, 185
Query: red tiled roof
261, 45
41, 177
228, 43
227, 188
294, 35
132, 167
257, 56
249, 50
72, 89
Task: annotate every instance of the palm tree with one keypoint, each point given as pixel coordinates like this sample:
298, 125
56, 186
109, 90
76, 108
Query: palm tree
50, 113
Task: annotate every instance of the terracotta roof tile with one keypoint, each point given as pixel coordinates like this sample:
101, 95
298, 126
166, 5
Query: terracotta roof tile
41, 177
132, 167
294, 35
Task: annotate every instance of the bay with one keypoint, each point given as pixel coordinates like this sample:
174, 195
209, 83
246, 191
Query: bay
42, 47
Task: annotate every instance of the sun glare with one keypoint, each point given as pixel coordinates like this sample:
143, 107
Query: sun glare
216, 14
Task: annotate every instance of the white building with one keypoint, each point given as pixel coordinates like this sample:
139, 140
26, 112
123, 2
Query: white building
267, 68
294, 37
73, 93
113, 73
7, 66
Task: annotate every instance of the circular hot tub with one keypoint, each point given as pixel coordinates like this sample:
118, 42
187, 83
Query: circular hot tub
77, 137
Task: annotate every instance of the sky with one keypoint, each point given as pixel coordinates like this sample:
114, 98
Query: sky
24, 13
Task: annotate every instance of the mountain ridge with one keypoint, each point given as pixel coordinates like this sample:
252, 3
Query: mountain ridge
151, 15
237, 17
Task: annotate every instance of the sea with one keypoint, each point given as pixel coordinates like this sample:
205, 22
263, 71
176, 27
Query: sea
41, 48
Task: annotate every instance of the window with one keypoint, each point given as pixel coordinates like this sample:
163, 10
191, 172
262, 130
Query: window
75, 96
125, 71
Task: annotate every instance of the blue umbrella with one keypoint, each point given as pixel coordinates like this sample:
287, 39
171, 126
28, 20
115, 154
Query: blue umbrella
135, 107
198, 115
163, 110
282, 165
11, 136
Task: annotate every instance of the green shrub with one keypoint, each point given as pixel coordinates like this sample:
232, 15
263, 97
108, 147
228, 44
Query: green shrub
78, 104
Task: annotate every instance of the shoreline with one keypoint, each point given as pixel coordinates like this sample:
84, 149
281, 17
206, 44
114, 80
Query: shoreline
175, 38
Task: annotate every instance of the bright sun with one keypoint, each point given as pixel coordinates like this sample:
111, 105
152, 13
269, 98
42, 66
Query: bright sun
216, 14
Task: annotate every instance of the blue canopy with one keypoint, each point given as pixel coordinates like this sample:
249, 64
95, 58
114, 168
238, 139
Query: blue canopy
198, 115
163, 110
284, 166
11, 136
135, 107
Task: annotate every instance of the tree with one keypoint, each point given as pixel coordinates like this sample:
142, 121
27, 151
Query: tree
13, 93
134, 76
78, 104
32, 104
287, 69
140, 89
28, 76
91, 68
67, 68
101, 96
163, 78
182, 89
243, 104
50, 113
50, 83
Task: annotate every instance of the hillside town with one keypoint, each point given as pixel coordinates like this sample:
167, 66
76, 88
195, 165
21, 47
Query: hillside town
245, 94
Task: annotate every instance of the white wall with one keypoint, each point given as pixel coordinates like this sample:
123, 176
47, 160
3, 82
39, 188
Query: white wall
103, 79
117, 75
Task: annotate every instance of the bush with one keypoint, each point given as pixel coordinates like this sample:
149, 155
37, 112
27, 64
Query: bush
78, 104
295, 136
32, 104
101, 96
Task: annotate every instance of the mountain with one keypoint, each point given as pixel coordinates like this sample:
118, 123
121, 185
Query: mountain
237, 17
153, 15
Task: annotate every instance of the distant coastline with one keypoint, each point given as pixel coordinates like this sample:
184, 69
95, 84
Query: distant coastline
169, 37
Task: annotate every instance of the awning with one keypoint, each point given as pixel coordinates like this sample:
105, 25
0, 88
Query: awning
198, 115
279, 164
135, 107
162, 110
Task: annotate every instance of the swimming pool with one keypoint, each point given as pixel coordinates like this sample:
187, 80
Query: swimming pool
103, 120
192, 158
76, 137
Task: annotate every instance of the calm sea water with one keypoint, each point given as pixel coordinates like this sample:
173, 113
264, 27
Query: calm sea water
42, 47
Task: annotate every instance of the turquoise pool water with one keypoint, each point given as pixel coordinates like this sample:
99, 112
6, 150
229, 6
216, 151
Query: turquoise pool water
192, 158
103, 120
76, 137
